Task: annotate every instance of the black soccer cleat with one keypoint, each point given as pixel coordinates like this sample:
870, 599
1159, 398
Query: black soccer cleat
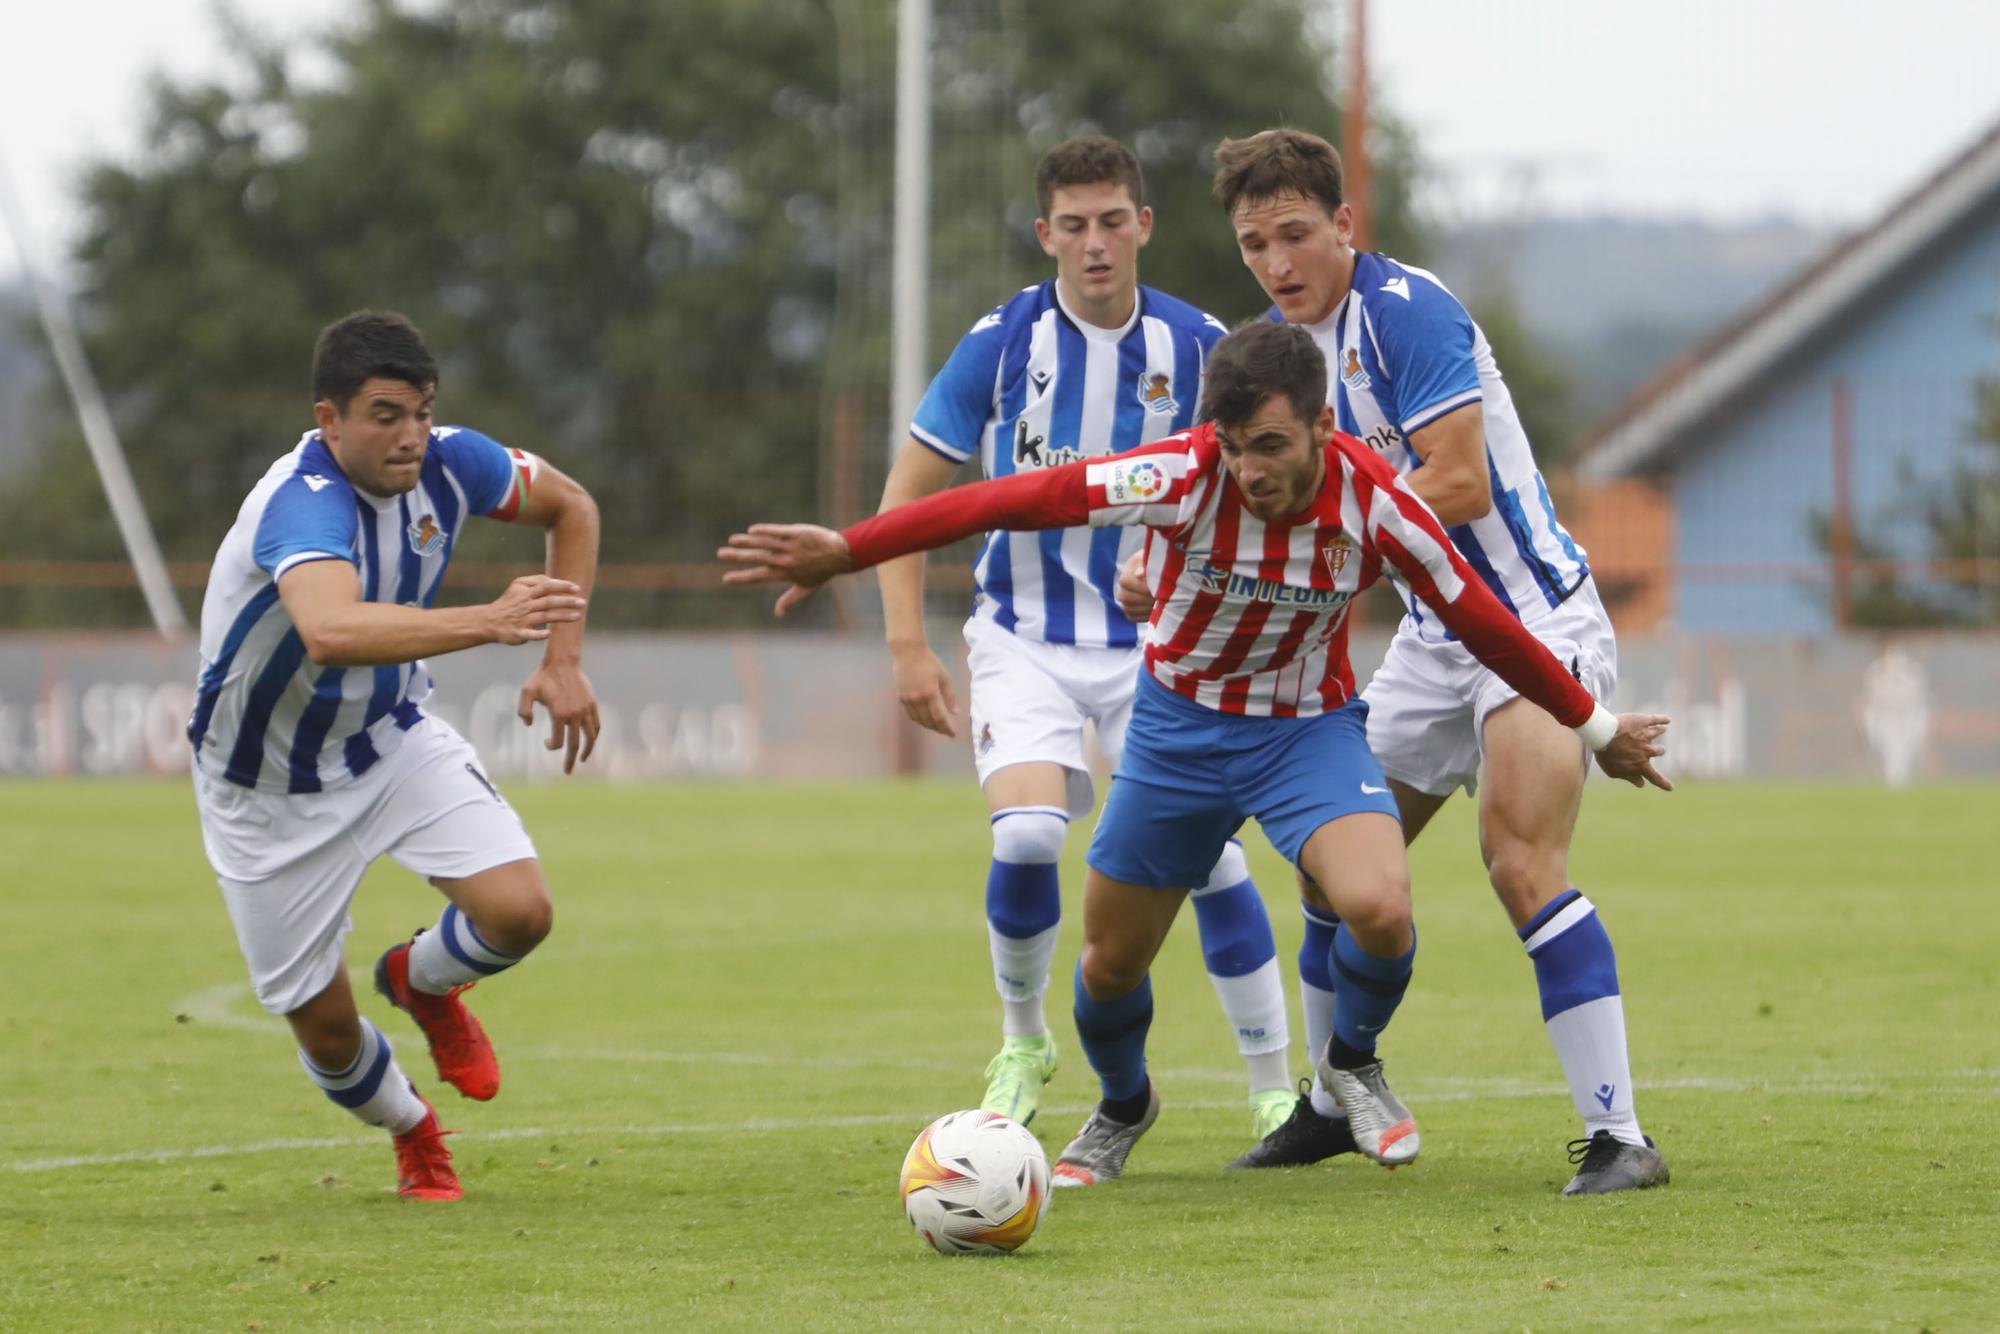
1306, 1137
1607, 1163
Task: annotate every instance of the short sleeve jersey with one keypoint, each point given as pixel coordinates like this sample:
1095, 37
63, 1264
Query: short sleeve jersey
265, 716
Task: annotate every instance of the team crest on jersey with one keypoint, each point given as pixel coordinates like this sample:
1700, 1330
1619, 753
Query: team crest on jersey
1156, 391
426, 538
1335, 555
1351, 373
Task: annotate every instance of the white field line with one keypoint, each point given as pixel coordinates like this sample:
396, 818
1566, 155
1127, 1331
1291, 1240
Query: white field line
1466, 1091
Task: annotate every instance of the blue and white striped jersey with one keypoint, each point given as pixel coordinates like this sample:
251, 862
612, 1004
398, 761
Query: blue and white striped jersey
1029, 387
265, 716
1401, 352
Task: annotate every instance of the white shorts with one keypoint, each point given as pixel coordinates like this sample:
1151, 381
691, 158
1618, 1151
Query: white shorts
1427, 703
289, 865
1030, 702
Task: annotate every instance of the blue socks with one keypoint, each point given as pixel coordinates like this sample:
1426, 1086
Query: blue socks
1576, 970
1113, 1034
1366, 990
1023, 906
1242, 959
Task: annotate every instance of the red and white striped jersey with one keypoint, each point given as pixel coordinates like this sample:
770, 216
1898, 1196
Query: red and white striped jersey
1250, 617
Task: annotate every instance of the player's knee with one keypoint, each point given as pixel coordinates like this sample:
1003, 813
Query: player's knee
1028, 835
1109, 973
1525, 877
518, 923
1376, 909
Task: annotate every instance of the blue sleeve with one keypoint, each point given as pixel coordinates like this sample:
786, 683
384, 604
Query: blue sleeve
481, 464
1210, 331
302, 522
1426, 347
955, 409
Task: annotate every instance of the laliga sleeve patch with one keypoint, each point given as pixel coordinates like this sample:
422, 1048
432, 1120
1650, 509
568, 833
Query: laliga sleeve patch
1134, 482
526, 469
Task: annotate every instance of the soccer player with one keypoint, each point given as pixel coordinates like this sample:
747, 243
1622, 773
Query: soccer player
313, 757
1413, 376
1265, 522
1085, 364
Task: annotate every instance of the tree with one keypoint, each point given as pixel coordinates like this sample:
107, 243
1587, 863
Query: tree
649, 240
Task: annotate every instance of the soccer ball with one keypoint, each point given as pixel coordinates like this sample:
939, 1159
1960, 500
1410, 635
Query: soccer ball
975, 1183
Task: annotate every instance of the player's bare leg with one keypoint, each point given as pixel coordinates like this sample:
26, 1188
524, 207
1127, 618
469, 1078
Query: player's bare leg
1123, 928
1532, 790
1029, 806
1359, 864
353, 1065
494, 919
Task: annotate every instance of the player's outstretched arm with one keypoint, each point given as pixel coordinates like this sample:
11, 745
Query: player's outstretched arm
805, 555
1408, 536
802, 555
1633, 749
339, 629
561, 506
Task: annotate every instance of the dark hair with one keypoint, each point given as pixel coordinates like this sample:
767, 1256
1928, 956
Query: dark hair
1087, 160
1277, 162
1261, 357
356, 348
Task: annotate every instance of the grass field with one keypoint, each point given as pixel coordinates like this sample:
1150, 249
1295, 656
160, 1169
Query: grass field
755, 996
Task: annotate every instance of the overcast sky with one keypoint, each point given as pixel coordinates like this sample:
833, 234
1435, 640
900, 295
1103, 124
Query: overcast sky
1826, 109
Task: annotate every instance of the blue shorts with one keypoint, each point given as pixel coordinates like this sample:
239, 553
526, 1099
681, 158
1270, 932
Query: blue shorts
1190, 776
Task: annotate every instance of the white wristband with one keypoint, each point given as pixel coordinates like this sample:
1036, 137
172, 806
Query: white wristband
1599, 729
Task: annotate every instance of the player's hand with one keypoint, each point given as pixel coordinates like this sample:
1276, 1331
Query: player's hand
530, 605
1134, 598
564, 690
1633, 749
923, 688
803, 555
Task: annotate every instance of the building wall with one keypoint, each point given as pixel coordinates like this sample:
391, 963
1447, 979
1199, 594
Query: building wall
1746, 494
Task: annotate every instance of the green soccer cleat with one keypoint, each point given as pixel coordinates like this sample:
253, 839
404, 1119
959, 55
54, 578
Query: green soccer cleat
1015, 1077
1270, 1109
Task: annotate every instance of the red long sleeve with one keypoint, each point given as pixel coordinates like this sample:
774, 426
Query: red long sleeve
1498, 639
1024, 502
1494, 635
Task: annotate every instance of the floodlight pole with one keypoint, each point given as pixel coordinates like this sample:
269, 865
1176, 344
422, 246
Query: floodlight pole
95, 418
910, 261
1359, 186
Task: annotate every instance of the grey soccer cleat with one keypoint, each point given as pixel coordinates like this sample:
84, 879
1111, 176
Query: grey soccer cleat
1099, 1151
1305, 1137
1383, 1128
1607, 1163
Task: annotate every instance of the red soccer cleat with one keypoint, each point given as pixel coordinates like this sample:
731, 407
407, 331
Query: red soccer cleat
459, 1046
423, 1163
